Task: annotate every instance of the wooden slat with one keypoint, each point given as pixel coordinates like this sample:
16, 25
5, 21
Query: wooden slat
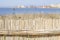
33, 33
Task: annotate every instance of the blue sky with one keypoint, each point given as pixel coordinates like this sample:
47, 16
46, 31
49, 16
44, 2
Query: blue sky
13, 3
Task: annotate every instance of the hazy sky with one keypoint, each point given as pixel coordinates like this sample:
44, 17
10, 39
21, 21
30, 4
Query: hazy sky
12, 3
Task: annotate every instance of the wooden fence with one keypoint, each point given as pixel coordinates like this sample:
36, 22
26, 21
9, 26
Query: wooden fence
27, 26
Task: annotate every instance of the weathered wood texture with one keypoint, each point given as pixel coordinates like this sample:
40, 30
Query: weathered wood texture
35, 22
14, 24
29, 38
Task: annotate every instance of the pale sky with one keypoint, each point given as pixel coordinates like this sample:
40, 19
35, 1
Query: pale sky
13, 3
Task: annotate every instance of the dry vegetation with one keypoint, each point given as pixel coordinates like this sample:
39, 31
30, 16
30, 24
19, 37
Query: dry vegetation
31, 16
